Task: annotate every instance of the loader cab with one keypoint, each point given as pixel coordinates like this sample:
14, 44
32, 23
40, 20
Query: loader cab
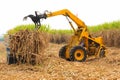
78, 31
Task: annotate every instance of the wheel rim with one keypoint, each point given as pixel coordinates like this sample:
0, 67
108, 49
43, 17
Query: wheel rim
79, 54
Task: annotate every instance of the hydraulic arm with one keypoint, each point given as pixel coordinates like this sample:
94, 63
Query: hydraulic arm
67, 13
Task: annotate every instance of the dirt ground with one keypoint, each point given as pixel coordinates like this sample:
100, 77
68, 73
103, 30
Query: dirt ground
55, 68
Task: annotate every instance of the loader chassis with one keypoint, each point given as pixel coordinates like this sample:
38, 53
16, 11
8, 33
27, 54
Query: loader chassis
82, 44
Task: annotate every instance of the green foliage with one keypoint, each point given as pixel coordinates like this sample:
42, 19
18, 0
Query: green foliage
21, 27
46, 28
105, 26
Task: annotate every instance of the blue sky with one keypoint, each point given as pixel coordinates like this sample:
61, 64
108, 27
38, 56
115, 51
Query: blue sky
92, 12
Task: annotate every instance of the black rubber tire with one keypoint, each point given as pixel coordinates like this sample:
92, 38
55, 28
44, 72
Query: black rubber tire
72, 54
62, 52
10, 59
102, 53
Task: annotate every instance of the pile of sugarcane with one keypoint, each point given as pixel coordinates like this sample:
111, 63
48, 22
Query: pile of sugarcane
28, 46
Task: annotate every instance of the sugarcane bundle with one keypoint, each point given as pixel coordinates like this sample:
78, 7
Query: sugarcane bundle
28, 46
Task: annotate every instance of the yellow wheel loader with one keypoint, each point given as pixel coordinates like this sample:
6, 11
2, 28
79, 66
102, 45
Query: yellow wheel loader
82, 44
